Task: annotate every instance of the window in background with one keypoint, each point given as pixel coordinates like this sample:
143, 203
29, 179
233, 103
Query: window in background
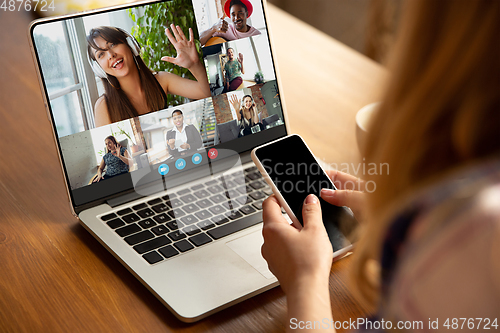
60, 77
64, 75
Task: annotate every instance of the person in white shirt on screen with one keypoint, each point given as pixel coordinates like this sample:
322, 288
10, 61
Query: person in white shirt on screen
239, 11
183, 138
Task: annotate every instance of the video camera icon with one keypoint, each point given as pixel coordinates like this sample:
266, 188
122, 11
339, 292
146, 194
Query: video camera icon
163, 169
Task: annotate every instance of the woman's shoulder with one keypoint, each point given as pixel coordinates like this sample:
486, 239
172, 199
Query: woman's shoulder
163, 78
450, 264
101, 102
101, 113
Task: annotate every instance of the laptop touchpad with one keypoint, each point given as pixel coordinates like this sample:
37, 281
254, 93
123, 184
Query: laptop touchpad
251, 254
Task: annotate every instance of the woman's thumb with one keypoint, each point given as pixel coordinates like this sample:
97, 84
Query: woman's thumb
311, 211
169, 59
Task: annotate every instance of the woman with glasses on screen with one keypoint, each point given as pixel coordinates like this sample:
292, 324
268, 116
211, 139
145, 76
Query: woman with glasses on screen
131, 88
429, 249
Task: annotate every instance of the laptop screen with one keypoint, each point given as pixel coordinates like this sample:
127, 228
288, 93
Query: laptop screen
156, 90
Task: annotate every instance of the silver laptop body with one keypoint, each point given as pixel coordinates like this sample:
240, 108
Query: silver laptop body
218, 263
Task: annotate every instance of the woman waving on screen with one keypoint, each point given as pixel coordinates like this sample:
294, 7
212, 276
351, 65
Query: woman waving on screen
117, 160
131, 88
247, 114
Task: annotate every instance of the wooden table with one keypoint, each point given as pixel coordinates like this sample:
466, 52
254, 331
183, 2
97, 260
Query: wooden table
55, 277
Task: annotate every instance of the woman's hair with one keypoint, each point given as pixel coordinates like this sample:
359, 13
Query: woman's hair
119, 106
441, 112
113, 139
243, 99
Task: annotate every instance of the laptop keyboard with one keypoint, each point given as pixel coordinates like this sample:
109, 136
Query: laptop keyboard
165, 227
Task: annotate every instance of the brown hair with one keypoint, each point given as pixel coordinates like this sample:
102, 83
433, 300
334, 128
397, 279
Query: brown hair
119, 106
113, 139
440, 112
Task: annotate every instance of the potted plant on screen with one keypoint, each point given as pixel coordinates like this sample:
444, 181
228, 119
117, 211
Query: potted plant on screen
259, 77
149, 32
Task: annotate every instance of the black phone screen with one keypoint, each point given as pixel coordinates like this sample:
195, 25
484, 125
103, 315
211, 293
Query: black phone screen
296, 174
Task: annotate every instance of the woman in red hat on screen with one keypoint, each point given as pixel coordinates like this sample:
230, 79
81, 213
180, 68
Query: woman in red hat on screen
239, 11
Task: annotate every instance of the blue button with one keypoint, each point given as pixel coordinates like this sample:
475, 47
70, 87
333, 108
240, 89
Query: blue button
196, 158
163, 169
180, 164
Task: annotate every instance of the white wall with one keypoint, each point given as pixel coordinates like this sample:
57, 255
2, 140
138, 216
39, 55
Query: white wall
79, 157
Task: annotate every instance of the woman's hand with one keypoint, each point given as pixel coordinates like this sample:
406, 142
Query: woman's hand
235, 102
116, 151
300, 259
187, 55
296, 256
349, 192
97, 179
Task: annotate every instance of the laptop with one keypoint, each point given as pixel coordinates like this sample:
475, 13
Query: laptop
172, 192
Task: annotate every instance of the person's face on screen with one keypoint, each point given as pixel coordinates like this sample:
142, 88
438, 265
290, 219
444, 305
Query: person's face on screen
110, 144
248, 103
239, 17
178, 119
230, 54
116, 60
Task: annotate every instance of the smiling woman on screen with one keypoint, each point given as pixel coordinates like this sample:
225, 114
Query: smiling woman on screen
131, 88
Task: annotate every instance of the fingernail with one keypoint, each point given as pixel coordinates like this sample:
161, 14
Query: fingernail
327, 192
311, 199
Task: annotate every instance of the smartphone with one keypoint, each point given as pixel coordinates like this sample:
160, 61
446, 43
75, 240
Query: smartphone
292, 171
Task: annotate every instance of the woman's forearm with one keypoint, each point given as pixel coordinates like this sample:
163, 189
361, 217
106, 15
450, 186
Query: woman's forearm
255, 116
200, 74
309, 301
126, 160
101, 167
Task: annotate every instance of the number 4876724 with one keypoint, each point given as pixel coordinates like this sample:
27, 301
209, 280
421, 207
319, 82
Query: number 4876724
471, 323
27, 5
